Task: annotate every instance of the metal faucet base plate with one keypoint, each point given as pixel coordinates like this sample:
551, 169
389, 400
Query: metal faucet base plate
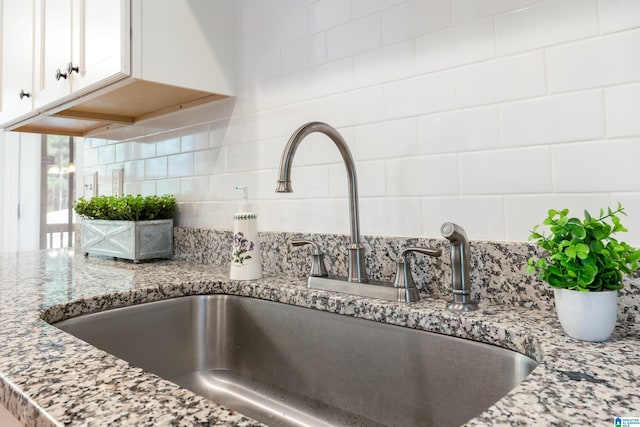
381, 290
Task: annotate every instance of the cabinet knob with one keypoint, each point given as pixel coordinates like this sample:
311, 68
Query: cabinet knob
24, 94
60, 74
71, 68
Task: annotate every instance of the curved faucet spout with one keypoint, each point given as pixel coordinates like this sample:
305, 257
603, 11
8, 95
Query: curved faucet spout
357, 269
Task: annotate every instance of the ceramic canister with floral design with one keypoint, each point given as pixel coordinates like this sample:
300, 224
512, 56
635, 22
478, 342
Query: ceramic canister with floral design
246, 262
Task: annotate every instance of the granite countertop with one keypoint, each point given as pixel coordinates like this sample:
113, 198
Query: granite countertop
48, 377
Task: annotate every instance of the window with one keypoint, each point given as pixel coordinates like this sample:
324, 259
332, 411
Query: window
57, 192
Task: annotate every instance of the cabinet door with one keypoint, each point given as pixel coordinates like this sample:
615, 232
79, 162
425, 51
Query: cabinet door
100, 42
53, 50
17, 59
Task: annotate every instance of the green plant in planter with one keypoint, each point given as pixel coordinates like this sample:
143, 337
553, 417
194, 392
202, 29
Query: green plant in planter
583, 254
127, 208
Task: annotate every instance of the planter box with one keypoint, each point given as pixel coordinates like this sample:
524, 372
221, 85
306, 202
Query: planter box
134, 240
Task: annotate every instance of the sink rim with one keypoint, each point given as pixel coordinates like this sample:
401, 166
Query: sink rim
532, 348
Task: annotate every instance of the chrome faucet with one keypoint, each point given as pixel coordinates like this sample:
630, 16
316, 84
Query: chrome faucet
357, 267
460, 267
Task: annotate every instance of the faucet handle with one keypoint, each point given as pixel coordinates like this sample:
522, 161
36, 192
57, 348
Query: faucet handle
404, 278
317, 258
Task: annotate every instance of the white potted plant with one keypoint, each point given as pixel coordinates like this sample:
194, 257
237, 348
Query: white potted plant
129, 227
584, 265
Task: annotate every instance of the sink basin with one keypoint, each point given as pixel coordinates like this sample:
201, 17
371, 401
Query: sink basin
286, 365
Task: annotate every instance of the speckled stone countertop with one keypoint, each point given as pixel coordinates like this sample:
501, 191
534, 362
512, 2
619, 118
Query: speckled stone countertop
48, 377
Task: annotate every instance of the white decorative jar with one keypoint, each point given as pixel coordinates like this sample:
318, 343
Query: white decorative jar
246, 261
587, 316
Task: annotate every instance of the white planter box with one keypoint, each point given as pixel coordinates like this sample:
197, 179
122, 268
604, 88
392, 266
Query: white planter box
134, 240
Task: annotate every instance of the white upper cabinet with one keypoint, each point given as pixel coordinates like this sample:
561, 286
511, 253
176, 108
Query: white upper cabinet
17, 59
100, 51
53, 50
79, 44
99, 64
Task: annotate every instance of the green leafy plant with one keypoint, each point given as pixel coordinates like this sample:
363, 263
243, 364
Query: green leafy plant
127, 208
583, 254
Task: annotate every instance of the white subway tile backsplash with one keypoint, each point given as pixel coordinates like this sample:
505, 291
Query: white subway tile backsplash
278, 91
458, 131
371, 179
144, 149
294, 116
270, 152
623, 110
520, 171
547, 23
107, 154
243, 157
331, 78
180, 165
318, 149
309, 182
125, 151
326, 215
266, 124
419, 95
392, 216
460, 45
134, 171
356, 107
414, 18
223, 187
168, 186
192, 188
364, 7
382, 65
485, 113
501, 80
210, 161
286, 6
265, 61
553, 119
616, 15
264, 185
286, 28
155, 168
602, 61
196, 138
97, 142
597, 166
304, 53
354, 37
427, 175
464, 211
225, 132
394, 138
469, 10
90, 157
206, 215
526, 211
324, 14
146, 188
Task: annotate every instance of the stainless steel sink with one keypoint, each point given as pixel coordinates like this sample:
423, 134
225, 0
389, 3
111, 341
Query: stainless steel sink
287, 365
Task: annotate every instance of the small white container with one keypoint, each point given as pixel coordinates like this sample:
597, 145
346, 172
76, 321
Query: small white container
246, 262
587, 316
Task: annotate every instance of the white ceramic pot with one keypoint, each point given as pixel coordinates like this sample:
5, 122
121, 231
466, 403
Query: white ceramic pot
587, 316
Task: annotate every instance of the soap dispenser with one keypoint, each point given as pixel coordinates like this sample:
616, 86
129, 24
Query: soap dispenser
246, 262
